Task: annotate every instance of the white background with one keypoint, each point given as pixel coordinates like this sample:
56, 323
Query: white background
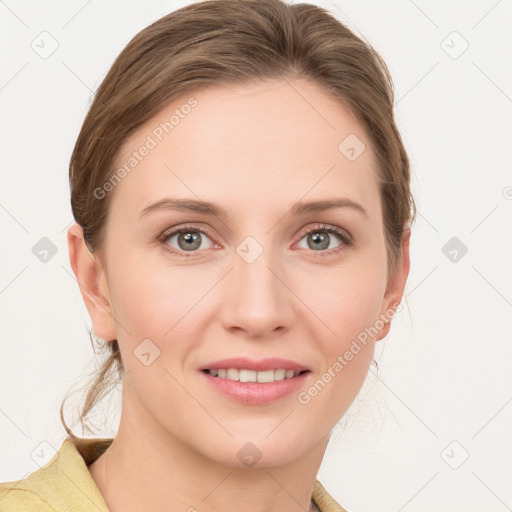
444, 369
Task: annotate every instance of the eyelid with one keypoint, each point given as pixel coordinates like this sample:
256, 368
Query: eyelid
183, 228
344, 236
331, 228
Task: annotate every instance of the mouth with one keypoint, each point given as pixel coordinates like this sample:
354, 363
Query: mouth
256, 387
244, 375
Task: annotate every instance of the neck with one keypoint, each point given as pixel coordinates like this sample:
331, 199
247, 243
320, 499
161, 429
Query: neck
147, 465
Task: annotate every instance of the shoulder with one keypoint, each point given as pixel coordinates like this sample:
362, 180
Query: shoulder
19, 499
324, 501
62, 484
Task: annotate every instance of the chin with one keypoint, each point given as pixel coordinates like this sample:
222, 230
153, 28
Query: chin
260, 451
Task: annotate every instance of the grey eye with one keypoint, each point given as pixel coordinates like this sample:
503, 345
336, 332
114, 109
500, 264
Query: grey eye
188, 239
320, 239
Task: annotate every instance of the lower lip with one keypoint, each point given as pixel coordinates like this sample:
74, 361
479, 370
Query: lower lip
256, 393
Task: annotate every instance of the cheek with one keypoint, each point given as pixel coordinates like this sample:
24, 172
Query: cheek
145, 291
346, 299
159, 303
349, 306
348, 302
356, 309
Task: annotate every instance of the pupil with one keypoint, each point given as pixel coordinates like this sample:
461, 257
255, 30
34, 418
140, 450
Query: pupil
319, 241
192, 241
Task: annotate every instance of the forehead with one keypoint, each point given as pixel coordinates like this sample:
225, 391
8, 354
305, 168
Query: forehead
249, 146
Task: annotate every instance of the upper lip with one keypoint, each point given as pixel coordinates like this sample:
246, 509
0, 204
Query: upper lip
272, 363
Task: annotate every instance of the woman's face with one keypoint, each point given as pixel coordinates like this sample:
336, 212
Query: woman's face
251, 283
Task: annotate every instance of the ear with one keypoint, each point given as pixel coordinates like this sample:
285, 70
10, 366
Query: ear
395, 288
93, 285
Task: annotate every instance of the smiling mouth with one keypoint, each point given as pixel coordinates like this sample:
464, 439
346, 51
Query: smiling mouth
244, 375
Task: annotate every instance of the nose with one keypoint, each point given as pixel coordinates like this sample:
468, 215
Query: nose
257, 300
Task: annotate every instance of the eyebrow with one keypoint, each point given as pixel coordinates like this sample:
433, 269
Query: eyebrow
299, 208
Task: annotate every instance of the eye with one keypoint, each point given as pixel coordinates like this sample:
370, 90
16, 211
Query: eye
188, 239
320, 237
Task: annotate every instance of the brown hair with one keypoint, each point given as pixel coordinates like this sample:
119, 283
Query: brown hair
233, 42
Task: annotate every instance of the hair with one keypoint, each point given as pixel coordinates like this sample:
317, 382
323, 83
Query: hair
226, 42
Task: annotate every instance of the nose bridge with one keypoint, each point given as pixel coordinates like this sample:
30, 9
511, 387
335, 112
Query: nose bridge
259, 302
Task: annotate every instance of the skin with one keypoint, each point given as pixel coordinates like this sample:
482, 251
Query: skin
253, 150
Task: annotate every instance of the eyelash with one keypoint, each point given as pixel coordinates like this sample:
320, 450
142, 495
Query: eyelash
343, 236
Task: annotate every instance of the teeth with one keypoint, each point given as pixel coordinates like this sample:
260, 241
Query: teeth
253, 376
279, 374
232, 374
245, 375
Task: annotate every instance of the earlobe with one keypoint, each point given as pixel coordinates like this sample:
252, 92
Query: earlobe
395, 288
92, 283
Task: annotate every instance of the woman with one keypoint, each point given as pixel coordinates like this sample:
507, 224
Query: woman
242, 206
